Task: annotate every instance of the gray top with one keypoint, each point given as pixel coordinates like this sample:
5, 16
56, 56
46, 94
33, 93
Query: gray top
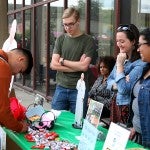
135, 108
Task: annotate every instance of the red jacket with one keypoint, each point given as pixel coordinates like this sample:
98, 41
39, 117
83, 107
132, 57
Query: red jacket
6, 117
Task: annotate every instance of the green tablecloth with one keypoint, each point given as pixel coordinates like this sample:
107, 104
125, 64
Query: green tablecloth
63, 127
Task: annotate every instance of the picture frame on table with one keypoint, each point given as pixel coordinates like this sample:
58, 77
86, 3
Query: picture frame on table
94, 112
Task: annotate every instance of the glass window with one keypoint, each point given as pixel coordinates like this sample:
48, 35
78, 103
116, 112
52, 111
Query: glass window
102, 13
27, 43
18, 4
10, 5
58, 3
140, 15
28, 25
10, 20
19, 30
38, 1
56, 30
74, 3
41, 30
28, 2
18, 38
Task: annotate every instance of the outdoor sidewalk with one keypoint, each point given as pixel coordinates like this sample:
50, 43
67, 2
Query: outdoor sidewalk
27, 98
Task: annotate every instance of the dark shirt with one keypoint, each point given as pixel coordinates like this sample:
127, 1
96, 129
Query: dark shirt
99, 92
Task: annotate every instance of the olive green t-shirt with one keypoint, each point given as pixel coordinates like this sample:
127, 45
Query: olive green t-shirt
72, 48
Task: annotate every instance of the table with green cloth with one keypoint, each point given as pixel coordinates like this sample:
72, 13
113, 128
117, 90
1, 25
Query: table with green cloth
63, 126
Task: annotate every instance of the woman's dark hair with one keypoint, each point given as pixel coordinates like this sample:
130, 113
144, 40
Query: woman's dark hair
146, 35
109, 61
132, 34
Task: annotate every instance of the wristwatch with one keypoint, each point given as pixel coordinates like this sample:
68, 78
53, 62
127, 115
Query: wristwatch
62, 62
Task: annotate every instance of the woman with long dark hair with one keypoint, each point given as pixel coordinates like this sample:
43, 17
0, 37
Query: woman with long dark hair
128, 69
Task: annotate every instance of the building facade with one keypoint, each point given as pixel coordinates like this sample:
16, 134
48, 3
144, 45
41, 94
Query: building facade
39, 23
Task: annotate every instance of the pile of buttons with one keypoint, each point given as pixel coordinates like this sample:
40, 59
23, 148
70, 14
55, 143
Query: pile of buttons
45, 139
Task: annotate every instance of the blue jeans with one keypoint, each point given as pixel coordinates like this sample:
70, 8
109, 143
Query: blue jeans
64, 99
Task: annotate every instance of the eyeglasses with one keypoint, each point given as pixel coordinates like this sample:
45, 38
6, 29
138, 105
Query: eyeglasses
69, 25
140, 44
123, 28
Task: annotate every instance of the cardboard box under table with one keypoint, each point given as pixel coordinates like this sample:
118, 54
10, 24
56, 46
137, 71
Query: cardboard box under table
63, 126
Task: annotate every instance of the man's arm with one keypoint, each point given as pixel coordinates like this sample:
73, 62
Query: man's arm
81, 65
56, 65
70, 66
6, 117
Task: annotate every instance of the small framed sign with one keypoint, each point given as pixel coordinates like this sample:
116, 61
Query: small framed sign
88, 136
116, 138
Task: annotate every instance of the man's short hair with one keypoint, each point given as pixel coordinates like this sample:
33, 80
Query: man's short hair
71, 11
29, 57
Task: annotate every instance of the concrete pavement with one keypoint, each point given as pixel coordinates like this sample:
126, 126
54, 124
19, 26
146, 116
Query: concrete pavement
26, 98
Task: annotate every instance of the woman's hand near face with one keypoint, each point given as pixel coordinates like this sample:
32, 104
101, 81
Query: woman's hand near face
120, 62
121, 59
